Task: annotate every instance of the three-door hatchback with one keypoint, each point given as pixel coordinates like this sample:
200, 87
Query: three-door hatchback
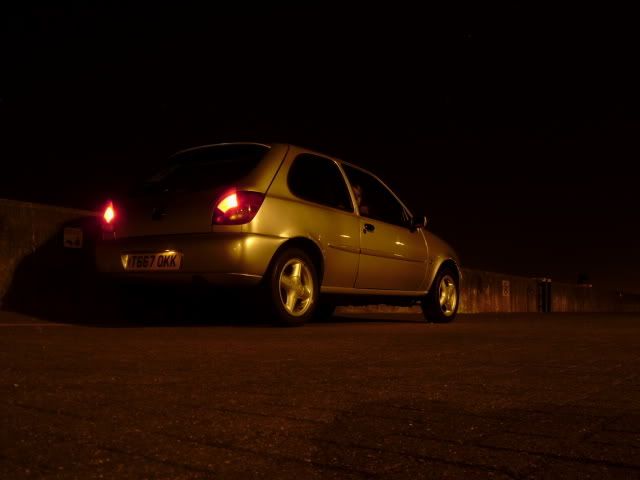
306, 230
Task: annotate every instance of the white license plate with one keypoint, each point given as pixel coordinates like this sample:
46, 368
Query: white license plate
152, 261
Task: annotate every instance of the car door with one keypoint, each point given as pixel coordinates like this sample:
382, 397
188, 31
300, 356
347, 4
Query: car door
325, 212
392, 255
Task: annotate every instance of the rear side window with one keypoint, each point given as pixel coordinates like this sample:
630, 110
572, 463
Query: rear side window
318, 180
206, 168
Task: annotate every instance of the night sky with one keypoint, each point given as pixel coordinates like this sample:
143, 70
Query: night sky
516, 132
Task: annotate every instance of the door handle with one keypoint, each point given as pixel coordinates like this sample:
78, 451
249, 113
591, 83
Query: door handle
368, 227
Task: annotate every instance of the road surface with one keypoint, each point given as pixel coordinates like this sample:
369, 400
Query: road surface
489, 396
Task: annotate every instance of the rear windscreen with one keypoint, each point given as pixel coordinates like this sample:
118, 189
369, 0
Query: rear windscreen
206, 168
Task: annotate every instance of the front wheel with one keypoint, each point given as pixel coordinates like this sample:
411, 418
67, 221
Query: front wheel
292, 288
440, 305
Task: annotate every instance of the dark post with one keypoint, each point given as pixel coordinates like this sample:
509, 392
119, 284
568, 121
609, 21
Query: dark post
544, 295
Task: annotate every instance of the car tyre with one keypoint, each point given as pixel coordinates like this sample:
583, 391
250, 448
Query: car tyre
292, 288
440, 305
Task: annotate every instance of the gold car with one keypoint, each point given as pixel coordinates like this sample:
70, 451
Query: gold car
307, 230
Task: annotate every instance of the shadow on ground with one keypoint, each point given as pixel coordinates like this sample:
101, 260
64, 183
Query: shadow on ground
60, 284
72, 293
56, 283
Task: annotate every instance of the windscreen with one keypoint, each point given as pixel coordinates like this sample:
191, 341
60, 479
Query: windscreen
205, 168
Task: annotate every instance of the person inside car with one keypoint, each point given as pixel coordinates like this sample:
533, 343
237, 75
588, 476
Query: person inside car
362, 208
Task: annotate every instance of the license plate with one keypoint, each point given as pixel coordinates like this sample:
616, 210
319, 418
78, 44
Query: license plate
152, 261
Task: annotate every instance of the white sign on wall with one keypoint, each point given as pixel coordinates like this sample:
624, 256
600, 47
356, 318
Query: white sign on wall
506, 288
72, 237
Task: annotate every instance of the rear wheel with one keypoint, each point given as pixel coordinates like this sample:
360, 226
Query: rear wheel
292, 288
440, 305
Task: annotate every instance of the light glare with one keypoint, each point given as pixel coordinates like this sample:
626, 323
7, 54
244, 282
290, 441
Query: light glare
109, 213
228, 202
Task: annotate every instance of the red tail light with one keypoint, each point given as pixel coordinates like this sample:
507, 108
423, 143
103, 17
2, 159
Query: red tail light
236, 208
108, 217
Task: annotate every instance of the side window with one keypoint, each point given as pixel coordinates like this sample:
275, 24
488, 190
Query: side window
318, 180
374, 199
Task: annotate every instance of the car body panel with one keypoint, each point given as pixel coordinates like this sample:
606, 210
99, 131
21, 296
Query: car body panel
440, 252
334, 232
391, 257
165, 214
218, 253
260, 179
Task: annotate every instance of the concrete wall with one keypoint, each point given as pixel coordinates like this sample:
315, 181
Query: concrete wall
490, 292
582, 298
26, 227
495, 292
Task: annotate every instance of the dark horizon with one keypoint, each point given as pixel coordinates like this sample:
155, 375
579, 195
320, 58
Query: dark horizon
514, 136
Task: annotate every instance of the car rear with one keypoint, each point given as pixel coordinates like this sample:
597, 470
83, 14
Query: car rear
189, 220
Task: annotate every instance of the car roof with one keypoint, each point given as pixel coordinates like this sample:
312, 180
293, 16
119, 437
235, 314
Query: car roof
267, 145
224, 144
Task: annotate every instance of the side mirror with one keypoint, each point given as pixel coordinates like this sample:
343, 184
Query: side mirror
418, 222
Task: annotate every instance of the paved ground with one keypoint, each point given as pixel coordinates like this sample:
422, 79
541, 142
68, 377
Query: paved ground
489, 396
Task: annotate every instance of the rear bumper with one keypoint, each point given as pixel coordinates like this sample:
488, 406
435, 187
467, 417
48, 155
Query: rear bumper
226, 259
